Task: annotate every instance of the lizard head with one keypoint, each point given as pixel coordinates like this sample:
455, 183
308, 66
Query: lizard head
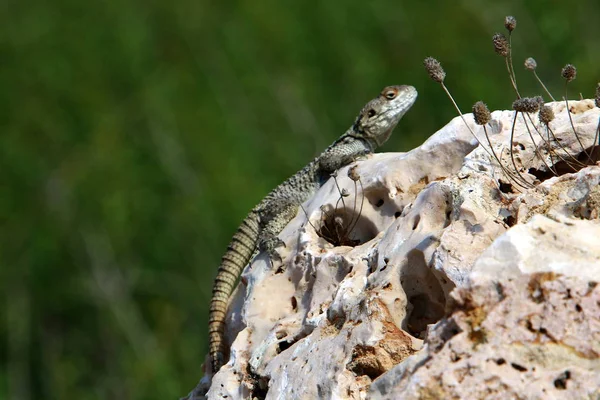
379, 117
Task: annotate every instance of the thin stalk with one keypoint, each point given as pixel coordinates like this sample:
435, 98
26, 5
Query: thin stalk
504, 169
463, 118
544, 86
509, 66
573, 159
535, 148
339, 191
512, 134
347, 232
551, 151
572, 125
307, 218
362, 191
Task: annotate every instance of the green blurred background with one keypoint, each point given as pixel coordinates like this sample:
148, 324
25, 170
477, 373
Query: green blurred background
137, 134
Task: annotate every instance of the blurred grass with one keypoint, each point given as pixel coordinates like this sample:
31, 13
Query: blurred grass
136, 135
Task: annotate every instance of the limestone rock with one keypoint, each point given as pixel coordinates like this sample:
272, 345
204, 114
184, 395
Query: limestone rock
438, 274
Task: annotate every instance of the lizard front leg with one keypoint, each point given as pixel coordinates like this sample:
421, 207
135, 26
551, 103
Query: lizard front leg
342, 155
277, 214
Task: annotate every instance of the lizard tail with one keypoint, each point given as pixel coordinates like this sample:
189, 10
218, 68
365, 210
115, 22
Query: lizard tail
238, 254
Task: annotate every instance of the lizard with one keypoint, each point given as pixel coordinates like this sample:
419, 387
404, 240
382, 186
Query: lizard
259, 230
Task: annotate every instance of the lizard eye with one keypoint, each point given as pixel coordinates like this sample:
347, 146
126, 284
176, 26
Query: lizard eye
371, 113
390, 94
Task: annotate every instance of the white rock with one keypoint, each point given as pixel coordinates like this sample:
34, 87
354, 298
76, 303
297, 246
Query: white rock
506, 273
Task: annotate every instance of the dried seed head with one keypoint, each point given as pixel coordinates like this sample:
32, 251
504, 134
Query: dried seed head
569, 72
500, 44
344, 193
434, 69
546, 115
527, 104
481, 113
353, 173
530, 64
510, 23
598, 95
339, 221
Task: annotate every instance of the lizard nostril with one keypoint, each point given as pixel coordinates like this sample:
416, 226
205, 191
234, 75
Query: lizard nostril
371, 113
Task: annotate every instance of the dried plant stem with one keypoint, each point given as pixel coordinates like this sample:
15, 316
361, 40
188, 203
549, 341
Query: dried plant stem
349, 228
509, 66
308, 218
514, 85
515, 179
573, 159
535, 147
551, 151
463, 118
354, 206
566, 98
544, 86
340, 192
596, 136
362, 201
512, 154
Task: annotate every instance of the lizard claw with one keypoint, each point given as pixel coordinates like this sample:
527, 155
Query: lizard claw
274, 257
270, 246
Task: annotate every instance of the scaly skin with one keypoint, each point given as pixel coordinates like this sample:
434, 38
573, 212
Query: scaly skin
259, 230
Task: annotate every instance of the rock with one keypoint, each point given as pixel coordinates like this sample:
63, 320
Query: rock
438, 274
525, 326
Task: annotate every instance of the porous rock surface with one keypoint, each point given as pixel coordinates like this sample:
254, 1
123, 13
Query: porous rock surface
446, 279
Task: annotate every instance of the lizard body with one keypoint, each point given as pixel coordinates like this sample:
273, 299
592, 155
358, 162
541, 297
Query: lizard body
260, 228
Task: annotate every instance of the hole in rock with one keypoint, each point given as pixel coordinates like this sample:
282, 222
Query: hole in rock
346, 227
505, 187
416, 222
500, 361
336, 318
426, 299
518, 367
280, 334
260, 387
284, 345
364, 362
568, 164
561, 382
379, 203
424, 312
386, 261
280, 270
510, 220
397, 214
448, 220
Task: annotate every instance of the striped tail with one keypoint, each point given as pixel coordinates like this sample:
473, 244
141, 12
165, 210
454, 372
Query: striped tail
238, 254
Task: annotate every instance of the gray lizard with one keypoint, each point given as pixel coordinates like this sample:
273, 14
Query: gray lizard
259, 230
